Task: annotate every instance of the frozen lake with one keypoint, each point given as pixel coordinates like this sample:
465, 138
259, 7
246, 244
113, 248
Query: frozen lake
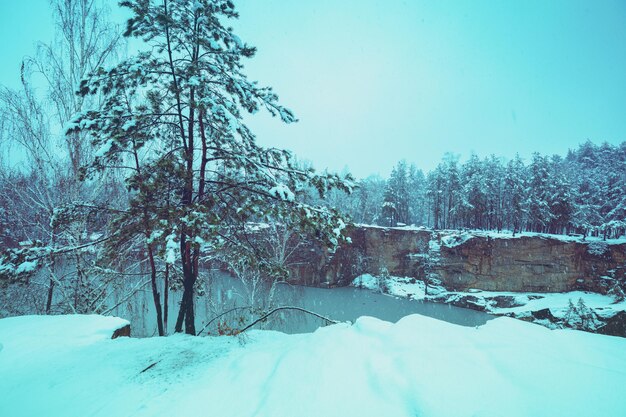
224, 293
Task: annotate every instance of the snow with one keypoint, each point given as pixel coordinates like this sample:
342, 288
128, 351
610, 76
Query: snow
129, 124
340, 226
456, 239
196, 6
597, 248
366, 281
525, 303
171, 248
452, 235
25, 267
256, 226
214, 45
104, 149
68, 366
154, 236
404, 287
282, 192
136, 67
411, 227
506, 234
411, 288
557, 302
18, 334
604, 306
236, 40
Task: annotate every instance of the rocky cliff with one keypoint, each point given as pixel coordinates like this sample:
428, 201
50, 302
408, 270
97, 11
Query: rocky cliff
462, 261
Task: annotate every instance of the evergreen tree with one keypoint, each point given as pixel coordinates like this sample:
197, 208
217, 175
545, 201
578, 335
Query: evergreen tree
452, 188
417, 196
399, 183
559, 198
515, 194
474, 193
369, 195
175, 111
539, 214
494, 184
389, 210
435, 183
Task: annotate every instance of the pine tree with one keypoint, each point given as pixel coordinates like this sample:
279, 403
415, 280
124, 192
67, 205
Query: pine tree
514, 194
417, 196
389, 210
474, 193
494, 184
587, 183
559, 198
369, 195
452, 188
434, 189
539, 214
399, 188
171, 117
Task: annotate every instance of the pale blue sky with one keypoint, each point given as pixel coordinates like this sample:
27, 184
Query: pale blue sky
377, 81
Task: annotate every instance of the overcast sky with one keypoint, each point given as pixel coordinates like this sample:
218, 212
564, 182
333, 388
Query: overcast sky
373, 82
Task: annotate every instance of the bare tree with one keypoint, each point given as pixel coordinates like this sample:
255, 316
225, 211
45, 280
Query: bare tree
44, 179
85, 40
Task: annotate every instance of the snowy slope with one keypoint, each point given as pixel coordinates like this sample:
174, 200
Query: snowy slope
417, 367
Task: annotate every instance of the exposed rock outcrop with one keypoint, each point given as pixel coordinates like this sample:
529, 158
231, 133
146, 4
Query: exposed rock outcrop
531, 264
465, 261
121, 332
399, 251
615, 326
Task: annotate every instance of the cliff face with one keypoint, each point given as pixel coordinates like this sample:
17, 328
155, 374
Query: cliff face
371, 249
531, 264
465, 261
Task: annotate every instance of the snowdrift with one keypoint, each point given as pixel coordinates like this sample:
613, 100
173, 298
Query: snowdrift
69, 366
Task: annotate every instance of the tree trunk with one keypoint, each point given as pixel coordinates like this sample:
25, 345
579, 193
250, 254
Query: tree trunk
181, 313
155, 292
186, 313
50, 296
166, 294
190, 323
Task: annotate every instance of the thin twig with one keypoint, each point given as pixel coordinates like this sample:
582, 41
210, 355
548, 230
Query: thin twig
149, 366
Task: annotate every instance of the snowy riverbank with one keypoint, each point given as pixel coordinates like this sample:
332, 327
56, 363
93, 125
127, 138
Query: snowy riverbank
575, 309
66, 366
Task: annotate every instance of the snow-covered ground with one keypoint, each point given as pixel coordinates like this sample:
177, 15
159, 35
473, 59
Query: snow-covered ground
565, 308
558, 303
454, 237
67, 366
405, 287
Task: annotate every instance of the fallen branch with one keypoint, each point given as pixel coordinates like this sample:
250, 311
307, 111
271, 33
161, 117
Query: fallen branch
331, 321
221, 315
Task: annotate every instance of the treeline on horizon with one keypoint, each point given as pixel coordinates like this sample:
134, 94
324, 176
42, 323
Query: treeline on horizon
583, 193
